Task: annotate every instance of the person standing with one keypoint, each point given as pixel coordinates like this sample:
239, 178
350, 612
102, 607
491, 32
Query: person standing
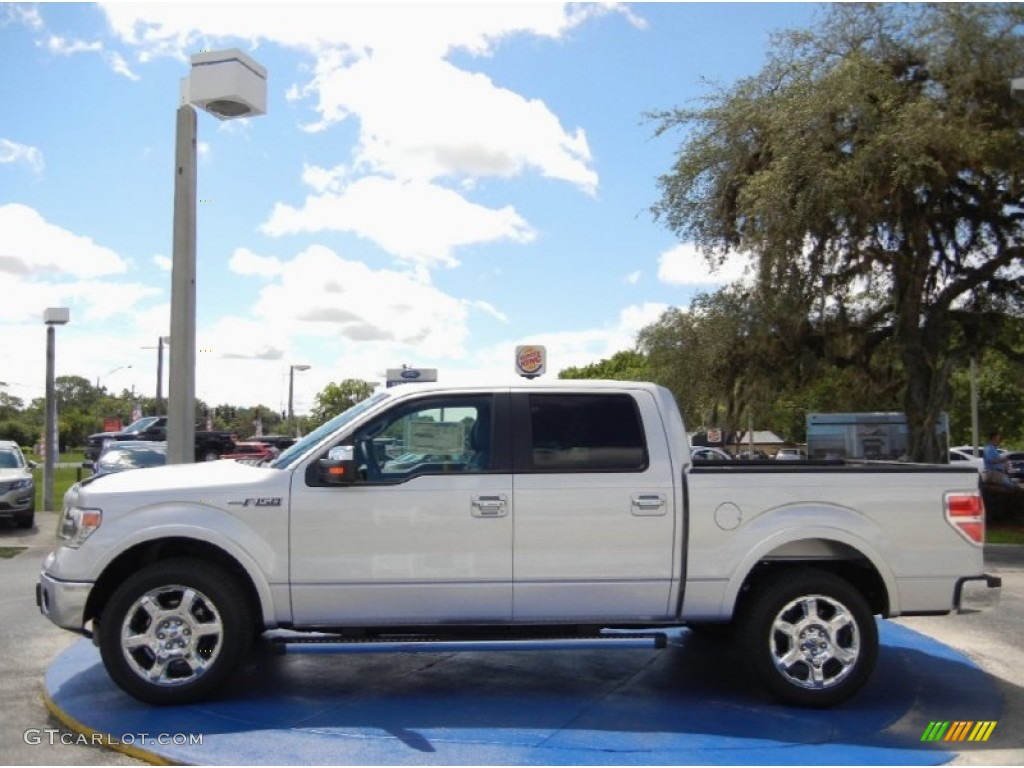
994, 461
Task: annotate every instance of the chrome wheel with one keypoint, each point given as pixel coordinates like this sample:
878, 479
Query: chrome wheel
809, 635
815, 642
171, 635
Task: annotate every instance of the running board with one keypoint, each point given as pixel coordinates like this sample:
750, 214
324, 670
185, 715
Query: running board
434, 645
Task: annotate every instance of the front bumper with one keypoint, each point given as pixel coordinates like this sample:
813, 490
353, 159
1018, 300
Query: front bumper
63, 602
976, 593
15, 502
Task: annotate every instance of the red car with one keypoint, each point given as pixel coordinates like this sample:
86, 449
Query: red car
252, 452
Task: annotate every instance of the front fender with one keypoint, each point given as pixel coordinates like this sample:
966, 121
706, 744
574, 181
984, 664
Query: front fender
246, 541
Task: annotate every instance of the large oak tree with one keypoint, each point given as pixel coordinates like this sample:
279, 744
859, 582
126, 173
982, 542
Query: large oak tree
874, 171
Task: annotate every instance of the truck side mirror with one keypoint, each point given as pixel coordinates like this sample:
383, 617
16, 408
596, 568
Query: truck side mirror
339, 468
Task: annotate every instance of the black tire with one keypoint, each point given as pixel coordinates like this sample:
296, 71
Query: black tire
26, 519
210, 455
203, 631
809, 636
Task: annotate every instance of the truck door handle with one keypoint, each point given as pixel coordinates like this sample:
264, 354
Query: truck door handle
648, 504
489, 506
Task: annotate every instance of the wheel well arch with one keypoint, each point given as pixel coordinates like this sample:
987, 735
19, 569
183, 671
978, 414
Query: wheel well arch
141, 555
834, 557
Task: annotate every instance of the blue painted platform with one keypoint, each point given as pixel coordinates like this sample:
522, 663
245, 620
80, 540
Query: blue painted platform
687, 705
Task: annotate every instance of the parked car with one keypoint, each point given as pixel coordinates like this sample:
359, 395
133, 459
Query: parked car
252, 452
756, 455
17, 486
1014, 467
964, 457
790, 454
209, 446
118, 456
706, 453
278, 441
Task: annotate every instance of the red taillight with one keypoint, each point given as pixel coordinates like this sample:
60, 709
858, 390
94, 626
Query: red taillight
966, 513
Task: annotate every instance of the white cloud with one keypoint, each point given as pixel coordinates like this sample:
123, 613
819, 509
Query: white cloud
683, 264
13, 152
163, 263
420, 117
64, 47
565, 348
245, 262
325, 179
16, 13
489, 309
361, 319
438, 120
32, 245
120, 66
419, 29
421, 223
633, 277
348, 303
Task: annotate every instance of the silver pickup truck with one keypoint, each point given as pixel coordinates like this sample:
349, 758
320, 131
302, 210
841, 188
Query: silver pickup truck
525, 510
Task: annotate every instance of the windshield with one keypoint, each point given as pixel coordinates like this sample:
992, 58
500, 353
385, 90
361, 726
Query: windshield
120, 457
10, 460
291, 454
141, 424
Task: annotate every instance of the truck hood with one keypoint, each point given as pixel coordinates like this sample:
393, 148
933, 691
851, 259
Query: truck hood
105, 435
183, 480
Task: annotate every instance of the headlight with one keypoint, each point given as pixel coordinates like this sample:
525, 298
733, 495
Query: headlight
19, 484
77, 525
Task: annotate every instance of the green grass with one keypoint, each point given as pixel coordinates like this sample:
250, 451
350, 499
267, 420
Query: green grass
1010, 534
63, 477
7, 552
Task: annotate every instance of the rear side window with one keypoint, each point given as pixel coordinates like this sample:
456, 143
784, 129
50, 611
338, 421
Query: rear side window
586, 433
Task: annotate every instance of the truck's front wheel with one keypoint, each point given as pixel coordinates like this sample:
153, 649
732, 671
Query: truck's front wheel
809, 636
174, 631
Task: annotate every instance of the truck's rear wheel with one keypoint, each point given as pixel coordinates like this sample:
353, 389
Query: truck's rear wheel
809, 636
174, 631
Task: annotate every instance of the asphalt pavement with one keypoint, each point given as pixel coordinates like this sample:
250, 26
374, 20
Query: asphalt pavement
32, 737
993, 640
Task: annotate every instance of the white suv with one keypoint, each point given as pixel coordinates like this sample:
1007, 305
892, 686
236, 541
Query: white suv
17, 487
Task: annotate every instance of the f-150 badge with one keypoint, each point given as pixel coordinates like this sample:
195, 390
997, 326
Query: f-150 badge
261, 502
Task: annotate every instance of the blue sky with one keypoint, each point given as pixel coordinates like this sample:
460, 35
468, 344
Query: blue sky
432, 185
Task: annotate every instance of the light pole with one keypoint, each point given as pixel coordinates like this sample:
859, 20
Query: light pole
110, 373
291, 395
227, 84
53, 317
160, 374
160, 343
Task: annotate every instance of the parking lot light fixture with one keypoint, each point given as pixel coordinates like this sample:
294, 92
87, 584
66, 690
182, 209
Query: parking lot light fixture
52, 317
291, 396
228, 84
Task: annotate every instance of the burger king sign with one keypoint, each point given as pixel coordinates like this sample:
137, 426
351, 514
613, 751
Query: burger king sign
531, 360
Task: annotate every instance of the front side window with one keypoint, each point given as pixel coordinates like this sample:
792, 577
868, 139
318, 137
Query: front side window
580, 433
440, 435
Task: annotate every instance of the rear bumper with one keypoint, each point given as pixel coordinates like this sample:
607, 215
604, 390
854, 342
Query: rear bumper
976, 593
